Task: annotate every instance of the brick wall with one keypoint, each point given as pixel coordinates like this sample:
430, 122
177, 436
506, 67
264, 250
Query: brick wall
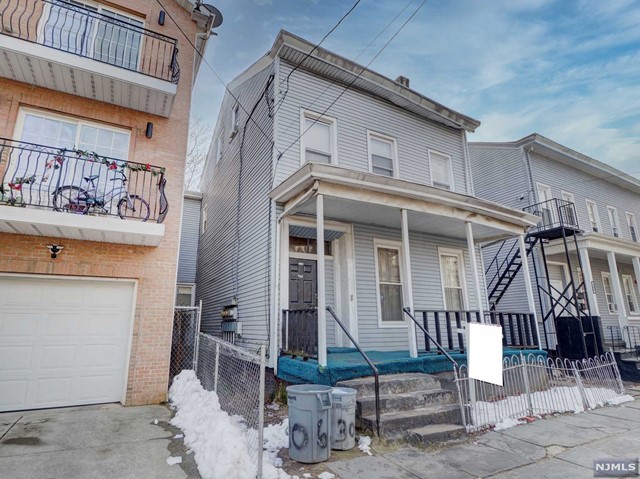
153, 267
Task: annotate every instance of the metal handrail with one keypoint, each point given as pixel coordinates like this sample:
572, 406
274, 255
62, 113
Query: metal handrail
369, 362
437, 344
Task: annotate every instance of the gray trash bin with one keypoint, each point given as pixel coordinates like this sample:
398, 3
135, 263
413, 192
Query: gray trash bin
309, 422
343, 419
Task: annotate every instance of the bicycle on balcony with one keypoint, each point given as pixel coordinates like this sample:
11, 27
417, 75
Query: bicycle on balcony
74, 199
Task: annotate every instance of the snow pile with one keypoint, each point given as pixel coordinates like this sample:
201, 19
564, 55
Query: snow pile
217, 440
507, 423
326, 475
620, 400
275, 437
174, 460
364, 444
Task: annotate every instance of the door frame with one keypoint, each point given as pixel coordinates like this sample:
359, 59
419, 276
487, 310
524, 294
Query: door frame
132, 318
344, 274
304, 257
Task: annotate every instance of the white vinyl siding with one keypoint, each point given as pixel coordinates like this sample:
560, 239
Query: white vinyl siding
633, 228
629, 294
318, 138
382, 155
441, 171
452, 277
613, 221
594, 219
608, 293
388, 261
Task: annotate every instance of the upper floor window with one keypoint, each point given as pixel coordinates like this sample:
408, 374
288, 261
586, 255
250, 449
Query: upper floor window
95, 31
318, 141
633, 228
613, 221
382, 154
203, 221
594, 219
441, 170
568, 211
452, 277
629, 294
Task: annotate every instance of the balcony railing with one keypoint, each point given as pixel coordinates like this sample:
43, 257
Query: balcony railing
555, 214
102, 35
80, 182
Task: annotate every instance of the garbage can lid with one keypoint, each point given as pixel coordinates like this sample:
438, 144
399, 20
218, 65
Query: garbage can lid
309, 389
344, 392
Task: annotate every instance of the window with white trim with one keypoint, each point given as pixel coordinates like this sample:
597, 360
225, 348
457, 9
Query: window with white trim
452, 277
594, 219
389, 283
185, 295
382, 154
633, 228
441, 170
629, 294
608, 293
235, 120
219, 146
318, 142
568, 212
613, 221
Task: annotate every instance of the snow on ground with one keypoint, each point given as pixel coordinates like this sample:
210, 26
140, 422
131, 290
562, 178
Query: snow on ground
326, 475
219, 441
554, 400
174, 460
364, 444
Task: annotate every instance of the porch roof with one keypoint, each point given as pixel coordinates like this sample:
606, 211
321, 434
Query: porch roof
362, 197
598, 245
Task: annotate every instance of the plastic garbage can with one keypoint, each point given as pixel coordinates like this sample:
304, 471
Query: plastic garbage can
343, 419
309, 422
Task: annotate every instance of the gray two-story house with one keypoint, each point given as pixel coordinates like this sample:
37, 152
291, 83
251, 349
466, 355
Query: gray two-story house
597, 202
330, 185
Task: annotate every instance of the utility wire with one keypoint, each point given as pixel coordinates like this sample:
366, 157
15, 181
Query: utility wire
333, 82
356, 77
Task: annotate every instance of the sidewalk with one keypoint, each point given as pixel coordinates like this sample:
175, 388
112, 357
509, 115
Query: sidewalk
561, 447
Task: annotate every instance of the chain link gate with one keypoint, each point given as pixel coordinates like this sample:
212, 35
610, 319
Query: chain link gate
184, 339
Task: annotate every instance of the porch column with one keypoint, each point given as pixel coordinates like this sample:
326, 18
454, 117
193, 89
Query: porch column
471, 246
528, 286
587, 275
411, 328
636, 269
617, 289
322, 323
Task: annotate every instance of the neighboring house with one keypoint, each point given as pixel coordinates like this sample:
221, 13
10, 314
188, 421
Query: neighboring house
381, 181
594, 200
188, 256
94, 101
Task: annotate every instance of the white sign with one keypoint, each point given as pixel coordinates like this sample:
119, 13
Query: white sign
484, 352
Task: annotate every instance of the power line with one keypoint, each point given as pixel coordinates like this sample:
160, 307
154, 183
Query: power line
357, 76
333, 82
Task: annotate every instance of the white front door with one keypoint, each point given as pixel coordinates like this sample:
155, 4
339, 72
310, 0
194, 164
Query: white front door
63, 342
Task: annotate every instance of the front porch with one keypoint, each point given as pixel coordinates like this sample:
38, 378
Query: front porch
347, 363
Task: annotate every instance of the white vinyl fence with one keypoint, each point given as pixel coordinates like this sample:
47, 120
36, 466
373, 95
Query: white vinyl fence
535, 386
237, 377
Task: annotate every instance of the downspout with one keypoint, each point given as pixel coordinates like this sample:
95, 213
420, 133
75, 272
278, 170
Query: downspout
468, 177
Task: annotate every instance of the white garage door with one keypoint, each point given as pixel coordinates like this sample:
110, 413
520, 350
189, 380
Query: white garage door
63, 342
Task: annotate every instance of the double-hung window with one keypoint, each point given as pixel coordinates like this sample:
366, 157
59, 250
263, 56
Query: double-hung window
452, 277
219, 146
608, 293
633, 228
318, 142
629, 294
594, 219
382, 155
613, 221
441, 170
567, 210
389, 283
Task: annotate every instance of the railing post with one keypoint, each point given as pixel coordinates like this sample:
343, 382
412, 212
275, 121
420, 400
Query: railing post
320, 270
527, 385
471, 246
580, 385
413, 344
215, 369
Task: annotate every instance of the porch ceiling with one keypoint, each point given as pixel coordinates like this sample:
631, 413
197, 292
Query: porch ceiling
359, 197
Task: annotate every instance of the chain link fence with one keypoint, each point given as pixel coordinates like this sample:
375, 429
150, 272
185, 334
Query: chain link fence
237, 376
537, 386
186, 325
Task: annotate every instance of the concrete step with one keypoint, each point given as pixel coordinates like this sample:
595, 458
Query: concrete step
435, 433
392, 384
404, 401
394, 425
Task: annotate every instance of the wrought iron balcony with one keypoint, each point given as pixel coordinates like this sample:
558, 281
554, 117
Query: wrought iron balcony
80, 183
102, 35
556, 214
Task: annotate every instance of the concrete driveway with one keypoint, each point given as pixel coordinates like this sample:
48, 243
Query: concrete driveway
106, 441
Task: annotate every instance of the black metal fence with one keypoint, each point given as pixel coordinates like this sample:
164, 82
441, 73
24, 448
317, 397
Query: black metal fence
80, 182
518, 329
555, 213
625, 339
300, 332
92, 32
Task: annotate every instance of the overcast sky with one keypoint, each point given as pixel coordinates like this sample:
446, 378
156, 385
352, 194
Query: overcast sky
569, 70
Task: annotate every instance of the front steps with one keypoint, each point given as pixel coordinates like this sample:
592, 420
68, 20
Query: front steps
413, 407
629, 366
